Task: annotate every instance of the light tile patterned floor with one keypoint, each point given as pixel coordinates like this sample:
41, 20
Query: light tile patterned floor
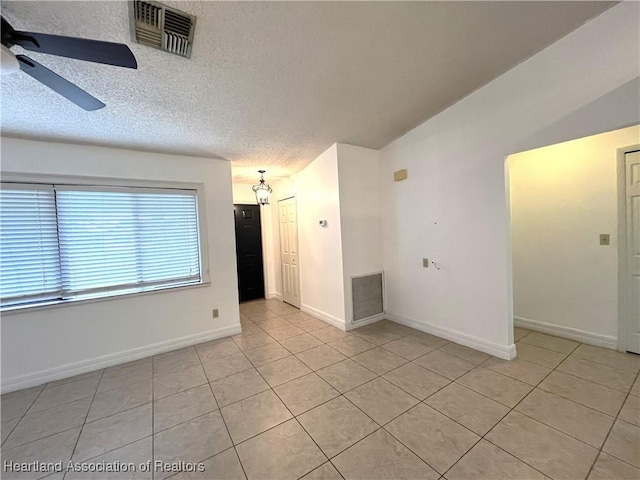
292, 397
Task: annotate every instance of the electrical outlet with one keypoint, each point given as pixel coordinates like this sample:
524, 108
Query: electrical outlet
215, 313
605, 239
425, 262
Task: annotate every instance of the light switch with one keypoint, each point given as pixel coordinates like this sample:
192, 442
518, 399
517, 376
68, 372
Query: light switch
605, 239
425, 262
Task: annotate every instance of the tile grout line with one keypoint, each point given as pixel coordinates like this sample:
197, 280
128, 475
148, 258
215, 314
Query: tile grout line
598, 449
33, 402
550, 349
75, 446
407, 361
153, 371
115, 413
24, 414
596, 383
481, 437
107, 416
340, 395
616, 419
207, 459
377, 376
380, 426
215, 399
593, 381
566, 356
320, 466
119, 447
511, 409
294, 417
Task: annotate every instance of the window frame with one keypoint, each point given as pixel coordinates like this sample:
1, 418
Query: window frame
92, 182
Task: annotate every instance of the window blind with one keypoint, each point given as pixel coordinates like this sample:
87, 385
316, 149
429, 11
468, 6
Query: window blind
64, 242
29, 264
123, 238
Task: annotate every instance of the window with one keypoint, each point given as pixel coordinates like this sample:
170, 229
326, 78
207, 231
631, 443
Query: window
29, 264
68, 242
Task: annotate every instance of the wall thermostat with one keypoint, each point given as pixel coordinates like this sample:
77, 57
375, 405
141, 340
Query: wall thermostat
322, 223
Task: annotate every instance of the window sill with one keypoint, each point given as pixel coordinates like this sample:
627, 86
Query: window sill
14, 309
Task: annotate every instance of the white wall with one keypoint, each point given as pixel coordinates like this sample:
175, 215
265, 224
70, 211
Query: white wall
49, 343
242, 193
321, 271
359, 186
453, 207
562, 197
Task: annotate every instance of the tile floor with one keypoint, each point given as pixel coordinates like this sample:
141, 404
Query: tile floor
292, 397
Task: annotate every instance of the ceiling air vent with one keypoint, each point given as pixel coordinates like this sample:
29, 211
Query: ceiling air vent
158, 26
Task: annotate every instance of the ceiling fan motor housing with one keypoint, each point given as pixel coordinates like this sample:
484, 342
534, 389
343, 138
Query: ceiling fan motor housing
8, 62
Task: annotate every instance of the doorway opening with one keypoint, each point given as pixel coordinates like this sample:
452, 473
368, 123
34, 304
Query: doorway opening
570, 240
249, 252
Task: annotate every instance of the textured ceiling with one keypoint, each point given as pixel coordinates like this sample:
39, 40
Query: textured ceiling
273, 84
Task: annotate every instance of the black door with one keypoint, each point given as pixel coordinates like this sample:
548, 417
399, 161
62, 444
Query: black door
249, 252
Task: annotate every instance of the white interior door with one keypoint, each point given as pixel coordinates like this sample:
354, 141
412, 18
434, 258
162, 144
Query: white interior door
632, 169
289, 251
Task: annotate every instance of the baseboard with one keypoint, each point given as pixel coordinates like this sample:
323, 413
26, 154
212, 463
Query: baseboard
326, 317
597, 339
500, 351
275, 295
368, 321
85, 366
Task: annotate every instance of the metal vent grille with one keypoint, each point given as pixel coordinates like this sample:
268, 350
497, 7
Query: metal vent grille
158, 26
367, 296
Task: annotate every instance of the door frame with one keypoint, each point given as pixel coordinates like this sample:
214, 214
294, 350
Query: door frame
623, 314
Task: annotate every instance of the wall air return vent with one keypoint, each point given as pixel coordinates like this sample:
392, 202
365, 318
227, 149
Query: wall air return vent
156, 25
367, 296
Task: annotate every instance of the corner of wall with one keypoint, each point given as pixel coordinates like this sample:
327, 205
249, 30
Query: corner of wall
321, 250
507, 352
360, 216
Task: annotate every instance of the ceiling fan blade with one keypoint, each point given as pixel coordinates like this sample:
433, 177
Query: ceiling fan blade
97, 51
58, 84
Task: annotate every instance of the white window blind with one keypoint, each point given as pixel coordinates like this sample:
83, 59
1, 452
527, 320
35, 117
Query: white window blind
29, 266
126, 238
100, 240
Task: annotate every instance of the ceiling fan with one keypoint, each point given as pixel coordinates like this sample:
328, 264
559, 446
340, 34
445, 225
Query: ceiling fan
109, 53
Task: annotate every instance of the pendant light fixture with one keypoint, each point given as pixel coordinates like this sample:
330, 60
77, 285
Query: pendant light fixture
262, 190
